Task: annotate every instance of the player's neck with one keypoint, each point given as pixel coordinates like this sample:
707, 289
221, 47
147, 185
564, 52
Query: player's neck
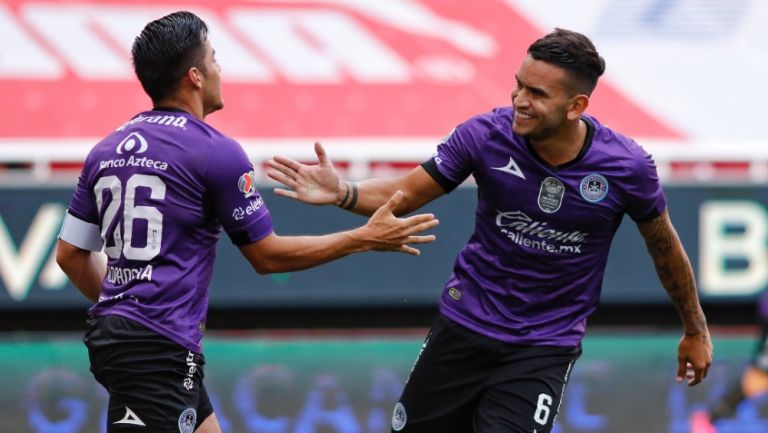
564, 146
181, 104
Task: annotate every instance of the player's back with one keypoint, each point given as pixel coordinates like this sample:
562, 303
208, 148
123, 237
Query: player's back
149, 182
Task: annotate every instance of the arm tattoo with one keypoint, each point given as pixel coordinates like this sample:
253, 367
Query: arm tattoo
674, 270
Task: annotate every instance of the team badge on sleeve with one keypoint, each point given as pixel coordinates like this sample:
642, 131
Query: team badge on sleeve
593, 188
247, 184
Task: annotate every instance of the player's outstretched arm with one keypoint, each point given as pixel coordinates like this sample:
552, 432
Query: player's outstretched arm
320, 184
676, 275
82, 267
383, 232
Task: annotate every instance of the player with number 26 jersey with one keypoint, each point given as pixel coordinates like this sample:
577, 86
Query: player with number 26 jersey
154, 196
143, 185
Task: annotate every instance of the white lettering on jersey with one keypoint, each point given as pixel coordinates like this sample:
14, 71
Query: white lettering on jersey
529, 233
122, 276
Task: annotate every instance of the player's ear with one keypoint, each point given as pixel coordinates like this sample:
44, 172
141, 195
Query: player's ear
577, 106
195, 76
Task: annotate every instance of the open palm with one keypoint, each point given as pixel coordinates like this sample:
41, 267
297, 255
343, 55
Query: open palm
314, 184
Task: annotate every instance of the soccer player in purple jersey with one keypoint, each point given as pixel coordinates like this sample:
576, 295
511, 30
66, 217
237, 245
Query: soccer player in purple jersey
553, 185
155, 195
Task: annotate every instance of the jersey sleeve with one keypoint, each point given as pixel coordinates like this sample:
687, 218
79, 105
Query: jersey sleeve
454, 160
231, 189
646, 197
81, 222
83, 205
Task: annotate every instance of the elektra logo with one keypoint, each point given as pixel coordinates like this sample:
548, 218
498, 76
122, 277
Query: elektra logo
188, 382
239, 213
130, 143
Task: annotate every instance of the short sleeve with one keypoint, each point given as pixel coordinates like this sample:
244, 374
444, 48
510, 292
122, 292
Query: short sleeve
231, 190
646, 198
454, 158
83, 203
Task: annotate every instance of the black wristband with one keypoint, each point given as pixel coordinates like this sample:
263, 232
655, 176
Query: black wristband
353, 200
346, 196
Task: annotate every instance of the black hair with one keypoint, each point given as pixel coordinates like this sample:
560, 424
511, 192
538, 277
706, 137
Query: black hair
165, 50
573, 52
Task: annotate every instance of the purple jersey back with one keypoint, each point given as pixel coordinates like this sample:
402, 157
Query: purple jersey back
532, 270
160, 188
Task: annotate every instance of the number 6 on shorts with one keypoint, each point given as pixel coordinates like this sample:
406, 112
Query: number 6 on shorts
542, 409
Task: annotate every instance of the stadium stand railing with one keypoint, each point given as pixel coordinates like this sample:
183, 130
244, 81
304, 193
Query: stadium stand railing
59, 160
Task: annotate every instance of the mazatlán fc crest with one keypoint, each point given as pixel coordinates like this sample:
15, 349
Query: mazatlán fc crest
399, 417
593, 188
187, 421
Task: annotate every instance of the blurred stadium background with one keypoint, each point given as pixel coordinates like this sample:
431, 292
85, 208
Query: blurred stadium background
380, 82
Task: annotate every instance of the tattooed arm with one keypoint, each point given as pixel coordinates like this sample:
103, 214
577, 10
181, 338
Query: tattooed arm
674, 271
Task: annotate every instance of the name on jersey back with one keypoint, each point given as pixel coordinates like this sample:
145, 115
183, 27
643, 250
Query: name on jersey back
143, 161
120, 276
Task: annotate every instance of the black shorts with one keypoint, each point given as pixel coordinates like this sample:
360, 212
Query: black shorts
466, 382
154, 384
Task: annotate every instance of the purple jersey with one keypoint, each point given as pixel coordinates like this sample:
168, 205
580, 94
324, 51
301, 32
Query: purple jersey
160, 189
762, 306
532, 270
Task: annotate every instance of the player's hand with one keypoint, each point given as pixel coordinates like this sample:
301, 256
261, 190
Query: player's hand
694, 356
314, 184
386, 232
